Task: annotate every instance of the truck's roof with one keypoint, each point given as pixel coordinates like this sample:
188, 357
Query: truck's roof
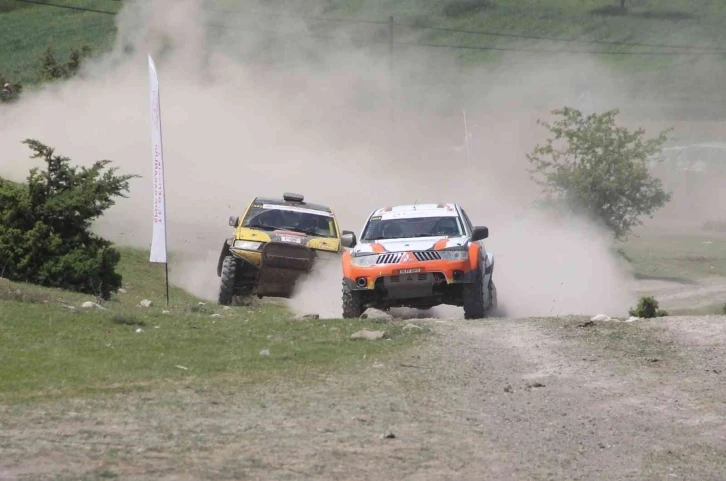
280, 201
424, 210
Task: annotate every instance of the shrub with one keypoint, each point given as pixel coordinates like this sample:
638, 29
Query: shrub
51, 69
45, 236
647, 308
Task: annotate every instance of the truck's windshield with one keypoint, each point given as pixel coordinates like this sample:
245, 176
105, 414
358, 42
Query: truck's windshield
282, 217
378, 228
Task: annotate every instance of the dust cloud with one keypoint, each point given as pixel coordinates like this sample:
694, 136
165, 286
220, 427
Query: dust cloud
253, 111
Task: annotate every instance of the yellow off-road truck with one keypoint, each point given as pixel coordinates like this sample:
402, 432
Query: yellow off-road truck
275, 242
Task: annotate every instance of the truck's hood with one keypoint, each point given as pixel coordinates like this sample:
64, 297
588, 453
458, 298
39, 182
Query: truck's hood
408, 244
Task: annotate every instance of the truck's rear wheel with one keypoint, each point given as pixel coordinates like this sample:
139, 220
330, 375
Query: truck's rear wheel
228, 280
352, 302
474, 303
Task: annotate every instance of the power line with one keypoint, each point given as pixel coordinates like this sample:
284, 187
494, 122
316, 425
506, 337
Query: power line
433, 45
534, 50
555, 39
280, 15
70, 7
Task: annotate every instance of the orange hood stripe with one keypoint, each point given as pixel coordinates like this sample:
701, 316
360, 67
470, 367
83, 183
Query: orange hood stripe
378, 248
440, 244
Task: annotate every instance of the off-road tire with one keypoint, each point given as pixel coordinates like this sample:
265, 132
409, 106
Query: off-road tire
474, 303
228, 280
352, 303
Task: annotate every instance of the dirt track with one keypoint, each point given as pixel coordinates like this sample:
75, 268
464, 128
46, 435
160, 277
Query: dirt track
498, 399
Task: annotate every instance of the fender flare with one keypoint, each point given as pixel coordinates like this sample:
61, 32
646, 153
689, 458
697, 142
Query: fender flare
490, 268
222, 255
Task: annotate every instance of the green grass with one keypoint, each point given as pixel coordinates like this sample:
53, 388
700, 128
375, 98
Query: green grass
672, 257
50, 351
26, 31
697, 22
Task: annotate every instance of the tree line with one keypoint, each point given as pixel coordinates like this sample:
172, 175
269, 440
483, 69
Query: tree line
49, 69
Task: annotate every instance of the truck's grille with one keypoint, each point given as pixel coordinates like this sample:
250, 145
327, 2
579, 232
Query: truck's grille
427, 255
420, 256
389, 258
287, 256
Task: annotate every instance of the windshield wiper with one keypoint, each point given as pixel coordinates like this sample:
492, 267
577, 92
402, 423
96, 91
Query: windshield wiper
262, 226
304, 231
382, 238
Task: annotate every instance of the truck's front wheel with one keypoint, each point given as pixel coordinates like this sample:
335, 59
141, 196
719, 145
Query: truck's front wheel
352, 302
228, 280
474, 303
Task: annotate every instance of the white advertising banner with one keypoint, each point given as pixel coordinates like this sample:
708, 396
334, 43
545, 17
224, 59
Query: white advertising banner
158, 239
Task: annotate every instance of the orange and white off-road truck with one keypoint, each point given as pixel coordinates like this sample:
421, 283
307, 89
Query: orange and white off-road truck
418, 256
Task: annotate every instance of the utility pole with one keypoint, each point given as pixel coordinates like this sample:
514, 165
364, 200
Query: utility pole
390, 70
466, 137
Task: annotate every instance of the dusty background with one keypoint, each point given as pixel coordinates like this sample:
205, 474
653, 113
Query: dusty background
244, 116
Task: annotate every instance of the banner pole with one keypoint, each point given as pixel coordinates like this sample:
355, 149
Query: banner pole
166, 269
158, 241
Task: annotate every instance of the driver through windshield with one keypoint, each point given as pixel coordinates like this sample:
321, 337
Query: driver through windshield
413, 227
274, 217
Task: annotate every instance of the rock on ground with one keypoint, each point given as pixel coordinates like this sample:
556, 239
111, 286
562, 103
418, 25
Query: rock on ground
368, 335
412, 327
146, 303
376, 314
92, 305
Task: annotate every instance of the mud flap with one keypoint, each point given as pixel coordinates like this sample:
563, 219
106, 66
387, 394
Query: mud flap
281, 266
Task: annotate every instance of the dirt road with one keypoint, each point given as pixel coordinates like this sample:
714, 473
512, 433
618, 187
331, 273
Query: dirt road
496, 399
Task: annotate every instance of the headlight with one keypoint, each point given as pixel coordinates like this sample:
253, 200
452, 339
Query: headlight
247, 245
458, 255
364, 261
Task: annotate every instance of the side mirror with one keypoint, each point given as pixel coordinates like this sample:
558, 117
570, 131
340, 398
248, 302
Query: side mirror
348, 239
233, 221
480, 232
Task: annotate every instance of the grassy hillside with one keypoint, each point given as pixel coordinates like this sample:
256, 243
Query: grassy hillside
26, 30
52, 347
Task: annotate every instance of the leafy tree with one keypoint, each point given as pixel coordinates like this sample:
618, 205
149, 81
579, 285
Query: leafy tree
49, 71
593, 167
45, 225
